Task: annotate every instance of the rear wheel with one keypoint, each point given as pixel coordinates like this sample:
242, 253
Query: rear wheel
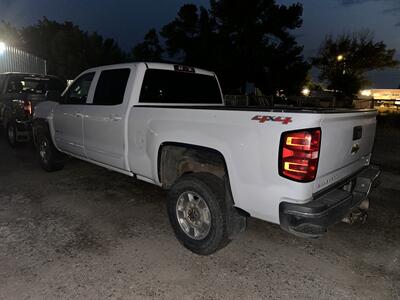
197, 212
11, 132
49, 157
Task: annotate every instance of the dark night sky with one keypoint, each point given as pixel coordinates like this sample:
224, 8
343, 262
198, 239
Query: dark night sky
128, 20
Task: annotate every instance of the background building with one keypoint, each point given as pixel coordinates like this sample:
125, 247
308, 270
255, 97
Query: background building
15, 60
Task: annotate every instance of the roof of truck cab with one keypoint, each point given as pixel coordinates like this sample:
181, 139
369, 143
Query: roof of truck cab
150, 65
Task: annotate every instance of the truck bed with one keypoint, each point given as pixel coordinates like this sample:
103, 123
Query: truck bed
276, 109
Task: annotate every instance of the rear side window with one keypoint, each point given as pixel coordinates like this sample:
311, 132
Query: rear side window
33, 84
163, 86
110, 89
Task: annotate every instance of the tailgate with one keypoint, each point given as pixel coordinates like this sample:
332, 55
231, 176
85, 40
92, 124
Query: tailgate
346, 145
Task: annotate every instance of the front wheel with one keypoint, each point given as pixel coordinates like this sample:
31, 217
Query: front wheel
49, 157
196, 209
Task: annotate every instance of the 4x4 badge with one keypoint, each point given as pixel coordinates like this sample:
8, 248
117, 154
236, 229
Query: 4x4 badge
263, 119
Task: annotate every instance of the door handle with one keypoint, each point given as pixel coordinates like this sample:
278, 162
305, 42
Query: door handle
115, 118
79, 115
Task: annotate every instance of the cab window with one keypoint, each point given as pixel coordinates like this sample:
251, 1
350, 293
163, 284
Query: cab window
34, 84
164, 86
110, 89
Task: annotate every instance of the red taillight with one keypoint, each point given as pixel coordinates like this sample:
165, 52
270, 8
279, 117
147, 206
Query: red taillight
28, 107
299, 154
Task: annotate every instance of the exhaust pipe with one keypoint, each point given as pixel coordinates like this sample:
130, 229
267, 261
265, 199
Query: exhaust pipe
359, 214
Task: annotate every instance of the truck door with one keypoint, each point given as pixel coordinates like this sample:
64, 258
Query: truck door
104, 122
68, 115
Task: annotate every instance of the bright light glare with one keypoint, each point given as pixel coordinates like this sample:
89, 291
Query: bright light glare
306, 92
366, 93
340, 57
2, 48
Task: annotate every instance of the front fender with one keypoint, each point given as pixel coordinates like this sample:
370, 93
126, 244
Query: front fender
43, 116
44, 110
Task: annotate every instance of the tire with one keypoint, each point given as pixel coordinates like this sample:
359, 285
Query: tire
201, 232
11, 134
49, 157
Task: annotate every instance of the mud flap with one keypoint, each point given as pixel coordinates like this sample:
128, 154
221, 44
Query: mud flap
236, 221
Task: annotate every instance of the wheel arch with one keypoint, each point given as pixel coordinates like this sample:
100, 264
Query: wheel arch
39, 124
176, 159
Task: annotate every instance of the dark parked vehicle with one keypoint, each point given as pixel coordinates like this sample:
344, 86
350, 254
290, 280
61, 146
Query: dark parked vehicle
19, 94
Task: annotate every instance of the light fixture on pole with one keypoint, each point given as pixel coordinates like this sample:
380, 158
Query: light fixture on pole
306, 92
340, 57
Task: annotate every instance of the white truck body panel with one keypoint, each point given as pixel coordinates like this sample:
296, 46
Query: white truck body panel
251, 151
68, 122
127, 138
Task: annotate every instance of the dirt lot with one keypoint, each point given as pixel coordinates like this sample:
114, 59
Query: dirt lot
89, 233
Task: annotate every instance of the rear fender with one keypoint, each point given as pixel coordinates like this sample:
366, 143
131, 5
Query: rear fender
175, 160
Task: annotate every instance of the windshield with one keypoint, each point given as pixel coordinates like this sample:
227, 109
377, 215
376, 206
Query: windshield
34, 84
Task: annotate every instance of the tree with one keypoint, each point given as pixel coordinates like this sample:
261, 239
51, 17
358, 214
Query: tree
68, 49
258, 35
10, 35
189, 38
148, 50
344, 61
243, 41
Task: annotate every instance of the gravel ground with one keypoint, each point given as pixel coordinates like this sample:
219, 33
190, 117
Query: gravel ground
86, 232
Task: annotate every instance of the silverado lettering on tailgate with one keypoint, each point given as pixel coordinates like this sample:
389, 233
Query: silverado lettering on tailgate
263, 119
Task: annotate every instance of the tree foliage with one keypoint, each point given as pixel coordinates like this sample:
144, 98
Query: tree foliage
67, 49
344, 61
191, 37
10, 35
244, 41
148, 50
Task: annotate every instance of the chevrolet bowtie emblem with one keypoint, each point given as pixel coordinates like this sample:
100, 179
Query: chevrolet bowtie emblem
355, 149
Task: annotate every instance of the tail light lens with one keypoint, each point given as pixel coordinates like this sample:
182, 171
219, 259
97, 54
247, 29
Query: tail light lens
299, 153
28, 107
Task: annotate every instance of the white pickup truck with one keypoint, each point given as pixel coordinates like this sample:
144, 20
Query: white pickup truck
304, 169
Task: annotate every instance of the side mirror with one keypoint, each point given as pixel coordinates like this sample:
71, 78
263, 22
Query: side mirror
54, 96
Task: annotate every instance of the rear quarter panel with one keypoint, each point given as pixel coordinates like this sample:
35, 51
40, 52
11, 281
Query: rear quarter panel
249, 147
